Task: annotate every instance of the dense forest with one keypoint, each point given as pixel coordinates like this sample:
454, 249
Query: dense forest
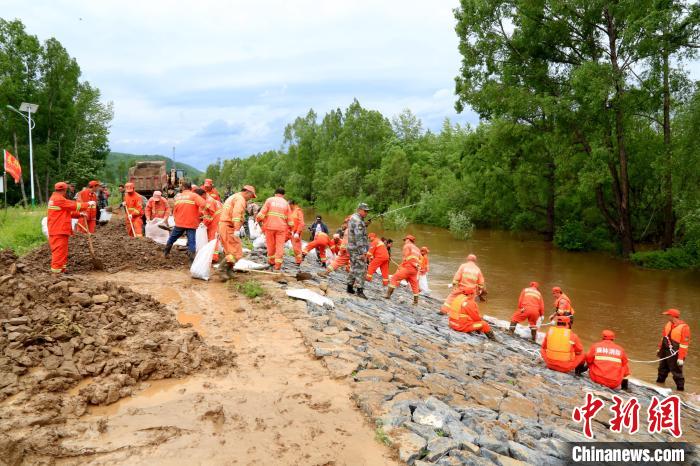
588, 133
70, 139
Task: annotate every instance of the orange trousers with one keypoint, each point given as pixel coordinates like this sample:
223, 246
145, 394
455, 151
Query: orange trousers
320, 250
456, 291
339, 261
381, 264
530, 315
212, 229
59, 252
470, 326
233, 246
564, 366
408, 273
138, 226
275, 239
90, 225
296, 245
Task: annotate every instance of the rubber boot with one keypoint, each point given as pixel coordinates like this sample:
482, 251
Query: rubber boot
415, 300
389, 292
580, 369
166, 250
511, 330
350, 289
533, 333
490, 335
361, 294
625, 385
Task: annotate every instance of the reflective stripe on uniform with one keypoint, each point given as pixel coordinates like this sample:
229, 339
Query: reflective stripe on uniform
184, 201
608, 358
275, 214
683, 346
53, 207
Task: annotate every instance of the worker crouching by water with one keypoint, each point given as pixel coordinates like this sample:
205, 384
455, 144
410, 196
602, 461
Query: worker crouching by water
464, 315
562, 349
467, 279
674, 348
607, 362
408, 270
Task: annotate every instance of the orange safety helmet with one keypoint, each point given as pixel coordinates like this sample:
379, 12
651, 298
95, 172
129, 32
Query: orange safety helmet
372, 236
534, 285
93, 183
129, 187
410, 238
556, 289
562, 320
673, 313
425, 250
608, 335
208, 182
60, 186
251, 189
471, 257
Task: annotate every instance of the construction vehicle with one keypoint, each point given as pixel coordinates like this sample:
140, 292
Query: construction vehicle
150, 176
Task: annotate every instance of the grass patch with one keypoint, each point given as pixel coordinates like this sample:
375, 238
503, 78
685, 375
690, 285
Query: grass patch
440, 433
247, 243
461, 225
20, 229
379, 434
251, 289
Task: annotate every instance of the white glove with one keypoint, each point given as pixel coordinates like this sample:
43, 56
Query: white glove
92, 203
680, 363
296, 235
237, 233
449, 286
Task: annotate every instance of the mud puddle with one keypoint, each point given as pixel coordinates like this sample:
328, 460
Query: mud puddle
277, 406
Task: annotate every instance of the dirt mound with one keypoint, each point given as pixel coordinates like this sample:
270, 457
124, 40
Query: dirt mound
114, 248
66, 343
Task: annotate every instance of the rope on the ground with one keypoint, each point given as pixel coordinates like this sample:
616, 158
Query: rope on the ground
655, 360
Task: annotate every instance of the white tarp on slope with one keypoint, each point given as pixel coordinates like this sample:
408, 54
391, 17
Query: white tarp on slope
245, 264
308, 295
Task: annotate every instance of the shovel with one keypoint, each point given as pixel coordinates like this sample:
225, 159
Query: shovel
96, 263
128, 217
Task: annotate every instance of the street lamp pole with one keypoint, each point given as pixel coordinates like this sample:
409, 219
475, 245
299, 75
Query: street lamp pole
29, 108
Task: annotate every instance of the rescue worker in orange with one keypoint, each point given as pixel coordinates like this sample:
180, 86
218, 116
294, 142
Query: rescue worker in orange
211, 214
230, 223
208, 186
562, 306
530, 308
276, 223
424, 261
157, 207
467, 278
378, 257
673, 347
186, 214
607, 362
562, 349
134, 211
320, 242
88, 219
464, 315
297, 217
59, 215
335, 244
342, 258
408, 270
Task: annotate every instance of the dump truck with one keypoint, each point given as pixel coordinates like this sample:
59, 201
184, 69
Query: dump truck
150, 176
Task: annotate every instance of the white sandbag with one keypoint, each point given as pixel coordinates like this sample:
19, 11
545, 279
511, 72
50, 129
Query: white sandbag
170, 222
259, 242
288, 244
522, 329
423, 284
45, 226
242, 232
308, 295
155, 233
245, 264
254, 228
73, 223
181, 241
201, 266
201, 236
105, 216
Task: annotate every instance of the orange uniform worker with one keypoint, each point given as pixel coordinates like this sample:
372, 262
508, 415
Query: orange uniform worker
408, 270
674, 348
562, 305
607, 362
134, 211
467, 278
186, 214
208, 186
320, 242
59, 215
276, 223
424, 261
297, 216
530, 308
561, 348
342, 258
464, 315
335, 244
211, 214
378, 257
157, 207
88, 220
230, 223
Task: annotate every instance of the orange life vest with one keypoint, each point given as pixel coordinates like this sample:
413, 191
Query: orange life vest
559, 344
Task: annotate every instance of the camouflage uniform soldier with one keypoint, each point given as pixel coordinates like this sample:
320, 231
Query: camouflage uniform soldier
358, 245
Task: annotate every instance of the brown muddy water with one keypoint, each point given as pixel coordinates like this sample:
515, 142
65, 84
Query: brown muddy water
607, 293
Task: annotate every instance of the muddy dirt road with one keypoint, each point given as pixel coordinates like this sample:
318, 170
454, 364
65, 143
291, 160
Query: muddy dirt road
277, 406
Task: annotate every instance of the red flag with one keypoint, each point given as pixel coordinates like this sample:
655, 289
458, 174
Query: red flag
12, 166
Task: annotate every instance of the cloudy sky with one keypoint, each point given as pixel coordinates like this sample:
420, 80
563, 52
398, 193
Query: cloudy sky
223, 78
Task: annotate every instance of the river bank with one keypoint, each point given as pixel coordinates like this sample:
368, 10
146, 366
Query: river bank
606, 292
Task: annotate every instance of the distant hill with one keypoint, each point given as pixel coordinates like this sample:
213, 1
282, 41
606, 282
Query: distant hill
118, 163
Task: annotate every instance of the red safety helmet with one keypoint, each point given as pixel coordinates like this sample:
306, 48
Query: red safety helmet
372, 235
93, 183
471, 257
129, 187
673, 313
534, 285
60, 186
410, 238
425, 250
608, 335
556, 289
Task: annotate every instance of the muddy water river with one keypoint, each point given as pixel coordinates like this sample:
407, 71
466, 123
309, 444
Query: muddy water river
606, 292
